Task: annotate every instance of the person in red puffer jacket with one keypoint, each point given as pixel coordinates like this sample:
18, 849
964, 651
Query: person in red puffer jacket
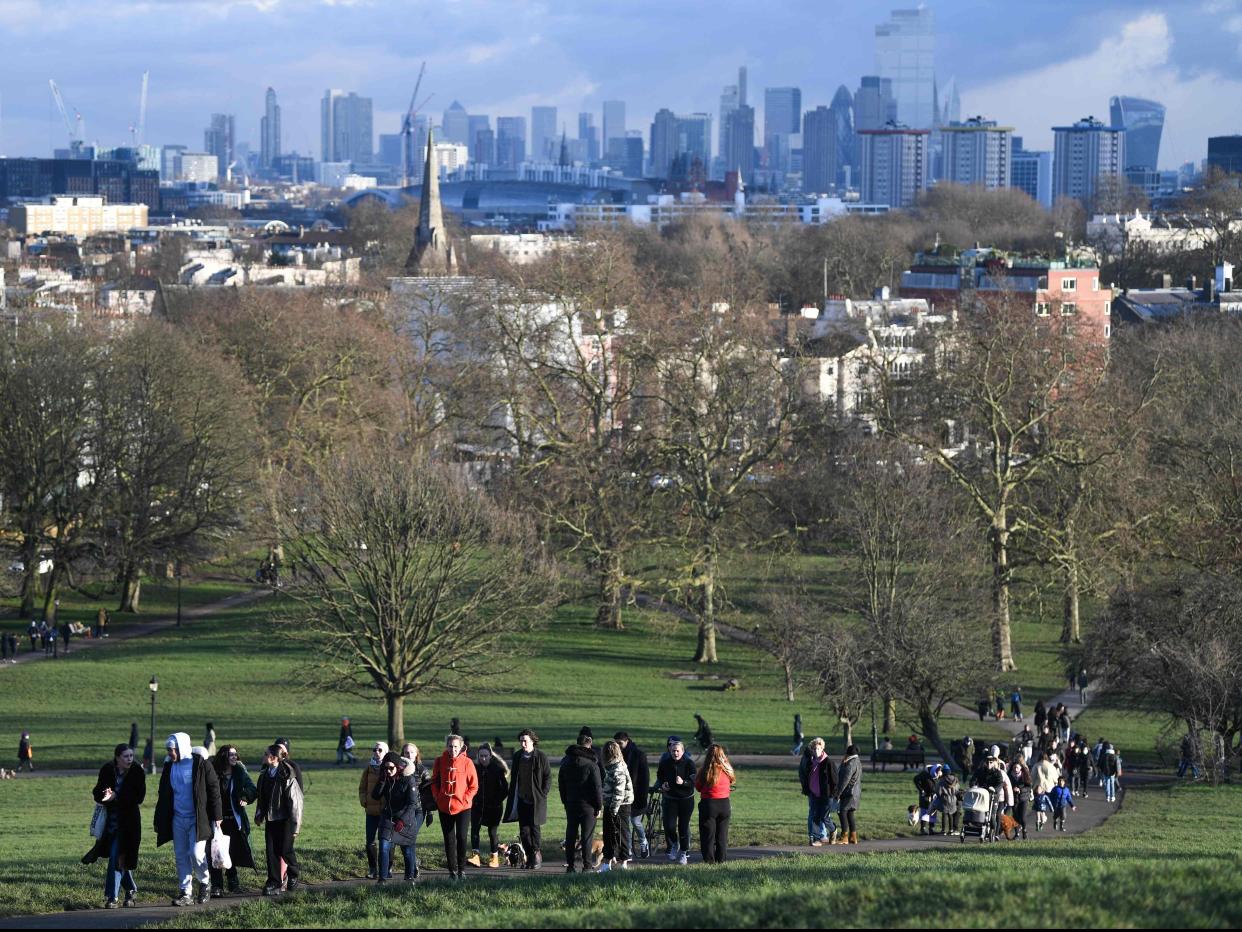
454, 784
714, 783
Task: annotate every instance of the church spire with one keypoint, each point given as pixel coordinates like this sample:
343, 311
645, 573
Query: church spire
432, 253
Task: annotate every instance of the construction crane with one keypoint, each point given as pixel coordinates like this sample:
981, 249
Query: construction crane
75, 128
137, 133
407, 129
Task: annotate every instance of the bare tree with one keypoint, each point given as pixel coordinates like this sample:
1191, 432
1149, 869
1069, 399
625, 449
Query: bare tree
408, 579
836, 655
790, 620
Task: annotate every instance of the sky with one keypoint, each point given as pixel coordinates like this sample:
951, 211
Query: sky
1030, 66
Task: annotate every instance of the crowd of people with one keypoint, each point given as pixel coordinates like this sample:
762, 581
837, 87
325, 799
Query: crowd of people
53, 638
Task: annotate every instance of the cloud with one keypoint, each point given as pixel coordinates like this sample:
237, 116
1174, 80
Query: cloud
1138, 60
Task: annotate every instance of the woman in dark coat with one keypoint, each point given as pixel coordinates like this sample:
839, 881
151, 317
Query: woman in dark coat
237, 791
529, 783
402, 815
121, 789
489, 803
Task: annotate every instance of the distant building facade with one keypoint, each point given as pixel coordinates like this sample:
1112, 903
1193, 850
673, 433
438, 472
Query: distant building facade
1143, 122
894, 165
978, 152
1083, 154
269, 131
77, 216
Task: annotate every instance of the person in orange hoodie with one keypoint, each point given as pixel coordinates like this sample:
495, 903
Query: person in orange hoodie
454, 784
714, 782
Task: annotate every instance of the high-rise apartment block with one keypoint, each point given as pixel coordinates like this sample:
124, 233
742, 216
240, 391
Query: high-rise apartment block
978, 152
1032, 172
1083, 154
905, 53
219, 140
545, 139
1143, 121
269, 131
894, 165
345, 127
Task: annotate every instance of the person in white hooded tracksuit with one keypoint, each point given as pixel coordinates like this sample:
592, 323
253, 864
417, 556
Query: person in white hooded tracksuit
187, 812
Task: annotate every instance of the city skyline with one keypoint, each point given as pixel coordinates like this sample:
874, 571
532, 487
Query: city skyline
569, 59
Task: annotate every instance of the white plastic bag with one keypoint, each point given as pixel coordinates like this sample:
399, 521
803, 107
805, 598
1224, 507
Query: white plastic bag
99, 821
220, 859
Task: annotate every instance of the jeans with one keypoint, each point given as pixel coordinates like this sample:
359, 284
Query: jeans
714, 815
677, 814
117, 880
343, 756
529, 833
1110, 788
385, 858
617, 834
819, 824
579, 828
636, 823
1187, 764
191, 853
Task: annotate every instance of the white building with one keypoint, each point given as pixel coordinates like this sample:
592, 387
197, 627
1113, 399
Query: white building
76, 216
894, 165
451, 156
978, 152
521, 248
196, 166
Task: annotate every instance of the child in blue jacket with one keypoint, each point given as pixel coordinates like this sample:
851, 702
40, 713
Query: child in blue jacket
1062, 799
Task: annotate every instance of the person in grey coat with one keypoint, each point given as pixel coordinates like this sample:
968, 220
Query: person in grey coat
849, 792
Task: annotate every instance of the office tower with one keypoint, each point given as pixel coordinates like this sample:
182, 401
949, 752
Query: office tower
626, 155
483, 147
905, 50
874, 104
511, 140
614, 122
733, 96
782, 118
345, 127
545, 140
1143, 121
819, 151
847, 144
740, 136
269, 131
168, 161
950, 104
1084, 153
978, 151
218, 140
1224, 154
389, 152
455, 125
477, 123
663, 142
894, 165
588, 136
1032, 172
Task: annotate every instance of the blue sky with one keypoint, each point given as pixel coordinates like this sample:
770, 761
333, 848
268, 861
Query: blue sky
1028, 65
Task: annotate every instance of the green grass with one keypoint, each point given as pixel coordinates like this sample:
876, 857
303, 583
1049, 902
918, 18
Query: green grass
39, 869
1167, 859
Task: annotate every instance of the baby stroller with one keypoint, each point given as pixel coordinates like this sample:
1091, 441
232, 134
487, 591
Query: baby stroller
978, 813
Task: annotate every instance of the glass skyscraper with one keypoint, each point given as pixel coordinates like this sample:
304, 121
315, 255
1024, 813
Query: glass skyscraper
1143, 121
905, 53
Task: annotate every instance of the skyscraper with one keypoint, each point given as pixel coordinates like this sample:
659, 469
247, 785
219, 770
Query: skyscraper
614, 122
1225, 153
218, 140
1083, 154
894, 165
732, 97
847, 143
905, 53
345, 127
874, 104
269, 131
480, 125
1032, 173
545, 141
511, 140
740, 136
455, 125
663, 142
626, 155
819, 150
588, 135
782, 118
1143, 121
978, 152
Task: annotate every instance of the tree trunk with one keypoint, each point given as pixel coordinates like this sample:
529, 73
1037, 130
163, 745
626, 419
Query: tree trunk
1071, 631
705, 651
1002, 649
608, 615
847, 731
131, 589
49, 596
931, 731
396, 721
30, 574
890, 715
789, 681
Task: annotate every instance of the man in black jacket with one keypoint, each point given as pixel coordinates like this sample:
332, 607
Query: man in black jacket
582, 793
640, 774
187, 812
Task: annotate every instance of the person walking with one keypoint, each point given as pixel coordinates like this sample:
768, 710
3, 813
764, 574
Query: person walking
849, 793
25, 752
1045, 779
454, 784
640, 777
133, 735
33, 633
1110, 767
818, 776
799, 741
237, 791
675, 777
528, 796
618, 800
209, 740
715, 783
286, 756
401, 816
1015, 703
279, 811
372, 806
1023, 787
489, 803
1083, 683
949, 799
187, 810
120, 789
1187, 759
345, 744
1062, 799
582, 795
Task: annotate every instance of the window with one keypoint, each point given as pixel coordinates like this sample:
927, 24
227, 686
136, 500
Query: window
1095, 284
1108, 331
1069, 284
1069, 309
1041, 309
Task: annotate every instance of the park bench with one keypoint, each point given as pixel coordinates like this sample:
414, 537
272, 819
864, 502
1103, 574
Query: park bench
907, 758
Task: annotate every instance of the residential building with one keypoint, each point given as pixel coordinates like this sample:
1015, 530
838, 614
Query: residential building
511, 140
978, 152
545, 138
269, 131
345, 127
1143, 121
1083, 154
219, 140
905, 53
894, 165
76, 216
1225, 154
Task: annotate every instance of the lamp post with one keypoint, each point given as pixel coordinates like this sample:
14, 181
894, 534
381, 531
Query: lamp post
154, 686
178, 593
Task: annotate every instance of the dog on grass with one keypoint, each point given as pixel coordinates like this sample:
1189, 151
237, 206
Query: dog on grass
912, 815
7, 774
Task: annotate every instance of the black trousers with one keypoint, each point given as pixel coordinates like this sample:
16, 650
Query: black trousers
455, 828
529, 834
714, 829
579, 826
476, 823
848, 822
618, 831
677, 814
278, 836
1019, 811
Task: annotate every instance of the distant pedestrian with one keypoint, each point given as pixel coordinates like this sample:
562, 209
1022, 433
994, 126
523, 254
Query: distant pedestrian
529, 785
818, 776
187, 811
1110, 768
33, 633
120, 789
715, 782
101, 623
797, 735
4, 647
279, 811
582, 795
640, 776
237, 791
618, 795
12, 648
1187, 760
133, 734
454, 783
703, 733
489, 803
849, 794
982, 707
25, 752
675, 777
1015, 703
1082, 687
345, 744
65, 633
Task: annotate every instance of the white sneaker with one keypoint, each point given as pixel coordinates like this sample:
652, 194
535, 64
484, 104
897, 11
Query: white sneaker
672, 853
683, 858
